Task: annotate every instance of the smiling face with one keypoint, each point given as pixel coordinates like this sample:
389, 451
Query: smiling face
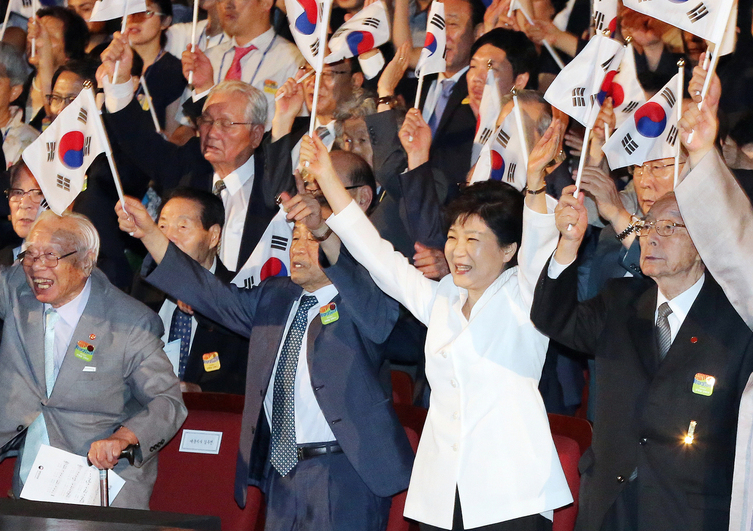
180, 221
24, 212
54, 285
304, 260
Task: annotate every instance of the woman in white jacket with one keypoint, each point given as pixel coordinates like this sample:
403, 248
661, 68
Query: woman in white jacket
486, 456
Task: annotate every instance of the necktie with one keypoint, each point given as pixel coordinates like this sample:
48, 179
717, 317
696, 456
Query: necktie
36, 434
283, 451
444, 96
663, 332
180, 328
322, 132
234, 72
218, 187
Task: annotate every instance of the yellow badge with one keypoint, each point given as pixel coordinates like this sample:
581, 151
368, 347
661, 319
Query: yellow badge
270, 86
466, 101
703, 384
211, 361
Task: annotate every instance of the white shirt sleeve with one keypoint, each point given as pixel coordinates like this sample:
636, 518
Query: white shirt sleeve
372, 66
118, 96
540, 236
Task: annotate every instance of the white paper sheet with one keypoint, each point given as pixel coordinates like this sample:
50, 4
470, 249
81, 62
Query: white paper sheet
63, 477
172, 350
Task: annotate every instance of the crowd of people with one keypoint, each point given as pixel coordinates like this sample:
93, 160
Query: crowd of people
296, 261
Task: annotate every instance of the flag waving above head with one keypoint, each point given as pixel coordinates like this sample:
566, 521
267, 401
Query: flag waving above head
623, 87
305, 20
575, 90
368, 29
105, 10
605, 16
502, 158
650, 133
60, 156
271, 256
705, 18
488, 112
432, 59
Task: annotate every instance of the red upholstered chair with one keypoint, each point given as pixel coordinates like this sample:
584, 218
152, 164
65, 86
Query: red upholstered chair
572, 436
6, 476
203, 483
412, 419
402, 387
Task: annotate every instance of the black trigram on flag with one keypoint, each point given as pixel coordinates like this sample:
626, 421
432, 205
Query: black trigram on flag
44, 204
64, 183
338, 33
606, 64
598, 20
698, 12
579, 99
249, 282
485, 135
672, 136
510, 177
503, 138
26, 3
87, 145
438, 21
82, 115
629, 144
51, 151
279, 242
669, 96
630, 107
371, 21
314, 47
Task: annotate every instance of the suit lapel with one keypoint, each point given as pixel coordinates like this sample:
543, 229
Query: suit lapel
31, 333
642, 329
258, 214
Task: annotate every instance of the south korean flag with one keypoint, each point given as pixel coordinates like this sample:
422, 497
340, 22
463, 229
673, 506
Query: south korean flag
502, 159
368, 29
623, 87
605, 16
488, 113
650, 133
705, 18
271, 257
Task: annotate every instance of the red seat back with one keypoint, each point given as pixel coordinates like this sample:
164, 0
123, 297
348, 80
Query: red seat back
572, 437
402, 387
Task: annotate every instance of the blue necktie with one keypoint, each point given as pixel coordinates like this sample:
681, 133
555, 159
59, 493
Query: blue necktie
444, 96
180, 328
283, 451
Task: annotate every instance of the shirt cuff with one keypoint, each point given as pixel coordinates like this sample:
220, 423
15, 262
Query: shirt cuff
118, 96
346, 218
372, 66
555, 268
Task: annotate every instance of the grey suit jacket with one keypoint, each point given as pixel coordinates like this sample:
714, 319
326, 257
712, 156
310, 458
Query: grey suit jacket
133, 384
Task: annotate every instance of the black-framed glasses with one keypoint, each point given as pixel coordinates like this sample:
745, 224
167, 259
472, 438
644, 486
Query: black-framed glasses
15, 195
663, 227
222, 124
57, 99
47, 259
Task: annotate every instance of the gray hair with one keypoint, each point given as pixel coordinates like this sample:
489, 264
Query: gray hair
14, 65
256, 101
84, 236
356, 107
532, 97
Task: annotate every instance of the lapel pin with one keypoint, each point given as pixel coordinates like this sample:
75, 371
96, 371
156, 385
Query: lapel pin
92, 337
694, 339
691, 432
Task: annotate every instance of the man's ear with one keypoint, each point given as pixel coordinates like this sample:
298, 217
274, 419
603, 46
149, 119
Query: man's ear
15, 92
356, 80
215, 233
364, 197
521, 80
257, 133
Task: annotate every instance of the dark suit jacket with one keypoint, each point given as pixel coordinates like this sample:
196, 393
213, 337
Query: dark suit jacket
645, 407
171, 166
231, 348
344, 359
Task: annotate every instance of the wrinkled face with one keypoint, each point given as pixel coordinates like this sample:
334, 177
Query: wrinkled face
652, 180
474, 255
67, 86
459, 31
53, 285
146, 27
672, 256
236, 143
180, 221
477, 72
24, 211
336, 87
237, 15
356, 139
304, 260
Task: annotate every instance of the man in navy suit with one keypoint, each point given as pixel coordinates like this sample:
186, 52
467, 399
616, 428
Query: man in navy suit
319, 435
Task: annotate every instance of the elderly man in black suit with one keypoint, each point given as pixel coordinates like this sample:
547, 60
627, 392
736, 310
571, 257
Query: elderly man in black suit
674, 360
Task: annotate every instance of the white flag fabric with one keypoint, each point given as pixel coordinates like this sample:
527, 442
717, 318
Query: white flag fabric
729, 39
25, 8
105, 10
488, 112
623, 87
305, 19
60, 156
575, 90
368, 29
707, 18
502, 158
271, 257
605, 16
650, 133
432, 59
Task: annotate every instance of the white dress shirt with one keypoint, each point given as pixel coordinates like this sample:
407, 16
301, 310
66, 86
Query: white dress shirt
487, 431
310, 424
179, 37
328, 141
435, 90
680, 306
236, 197
70, 313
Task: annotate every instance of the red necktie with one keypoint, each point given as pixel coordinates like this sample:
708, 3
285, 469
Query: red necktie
234, 72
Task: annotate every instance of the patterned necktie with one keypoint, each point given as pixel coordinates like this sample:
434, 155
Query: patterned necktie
663, 332
218, 187
283, 451
180, 328
444, 96
235, 67
322, 132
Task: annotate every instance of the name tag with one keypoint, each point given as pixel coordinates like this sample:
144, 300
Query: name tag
703, 384
83, 351
90, 369
200, 442
329, 313
211, 361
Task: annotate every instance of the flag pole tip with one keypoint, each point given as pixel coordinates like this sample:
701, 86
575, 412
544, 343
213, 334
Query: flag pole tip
514, 91
681, 63
87, 84
628, 40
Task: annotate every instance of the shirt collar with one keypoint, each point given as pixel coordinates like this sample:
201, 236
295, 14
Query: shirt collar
454, 78
235, 180
681, 304
71, 312
324, 294
260, 41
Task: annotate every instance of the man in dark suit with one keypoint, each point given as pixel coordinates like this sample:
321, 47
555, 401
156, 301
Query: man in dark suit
319, 435
208, 356
674, 358
224, 159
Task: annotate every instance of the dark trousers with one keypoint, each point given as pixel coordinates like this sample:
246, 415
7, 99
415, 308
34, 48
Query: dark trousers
534, 522
623, 515
323, 493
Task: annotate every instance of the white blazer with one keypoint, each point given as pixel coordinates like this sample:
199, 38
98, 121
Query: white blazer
487, 431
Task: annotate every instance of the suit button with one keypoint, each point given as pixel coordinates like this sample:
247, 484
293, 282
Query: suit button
261, 392
318, 387
444, 353
455, 416
643, 441
20, 427
253, 430
455, 447
453, 383
620, 479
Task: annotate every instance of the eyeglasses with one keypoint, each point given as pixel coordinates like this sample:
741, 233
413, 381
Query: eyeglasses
222, 124
664, 227
327, 75
47, 259
657, 170
15, 195
57, 99
144, 15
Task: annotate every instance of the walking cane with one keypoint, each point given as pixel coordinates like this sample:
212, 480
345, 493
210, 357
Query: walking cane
104, 487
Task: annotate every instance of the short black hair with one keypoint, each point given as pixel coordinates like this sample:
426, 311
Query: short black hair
520, 51
498, 204
477, 12
361, 174
85, 69
166, 8
75, 30
212, 209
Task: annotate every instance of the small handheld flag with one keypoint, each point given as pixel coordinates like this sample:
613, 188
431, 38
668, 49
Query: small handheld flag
368, 29
271, 256
502, 159
488, 112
